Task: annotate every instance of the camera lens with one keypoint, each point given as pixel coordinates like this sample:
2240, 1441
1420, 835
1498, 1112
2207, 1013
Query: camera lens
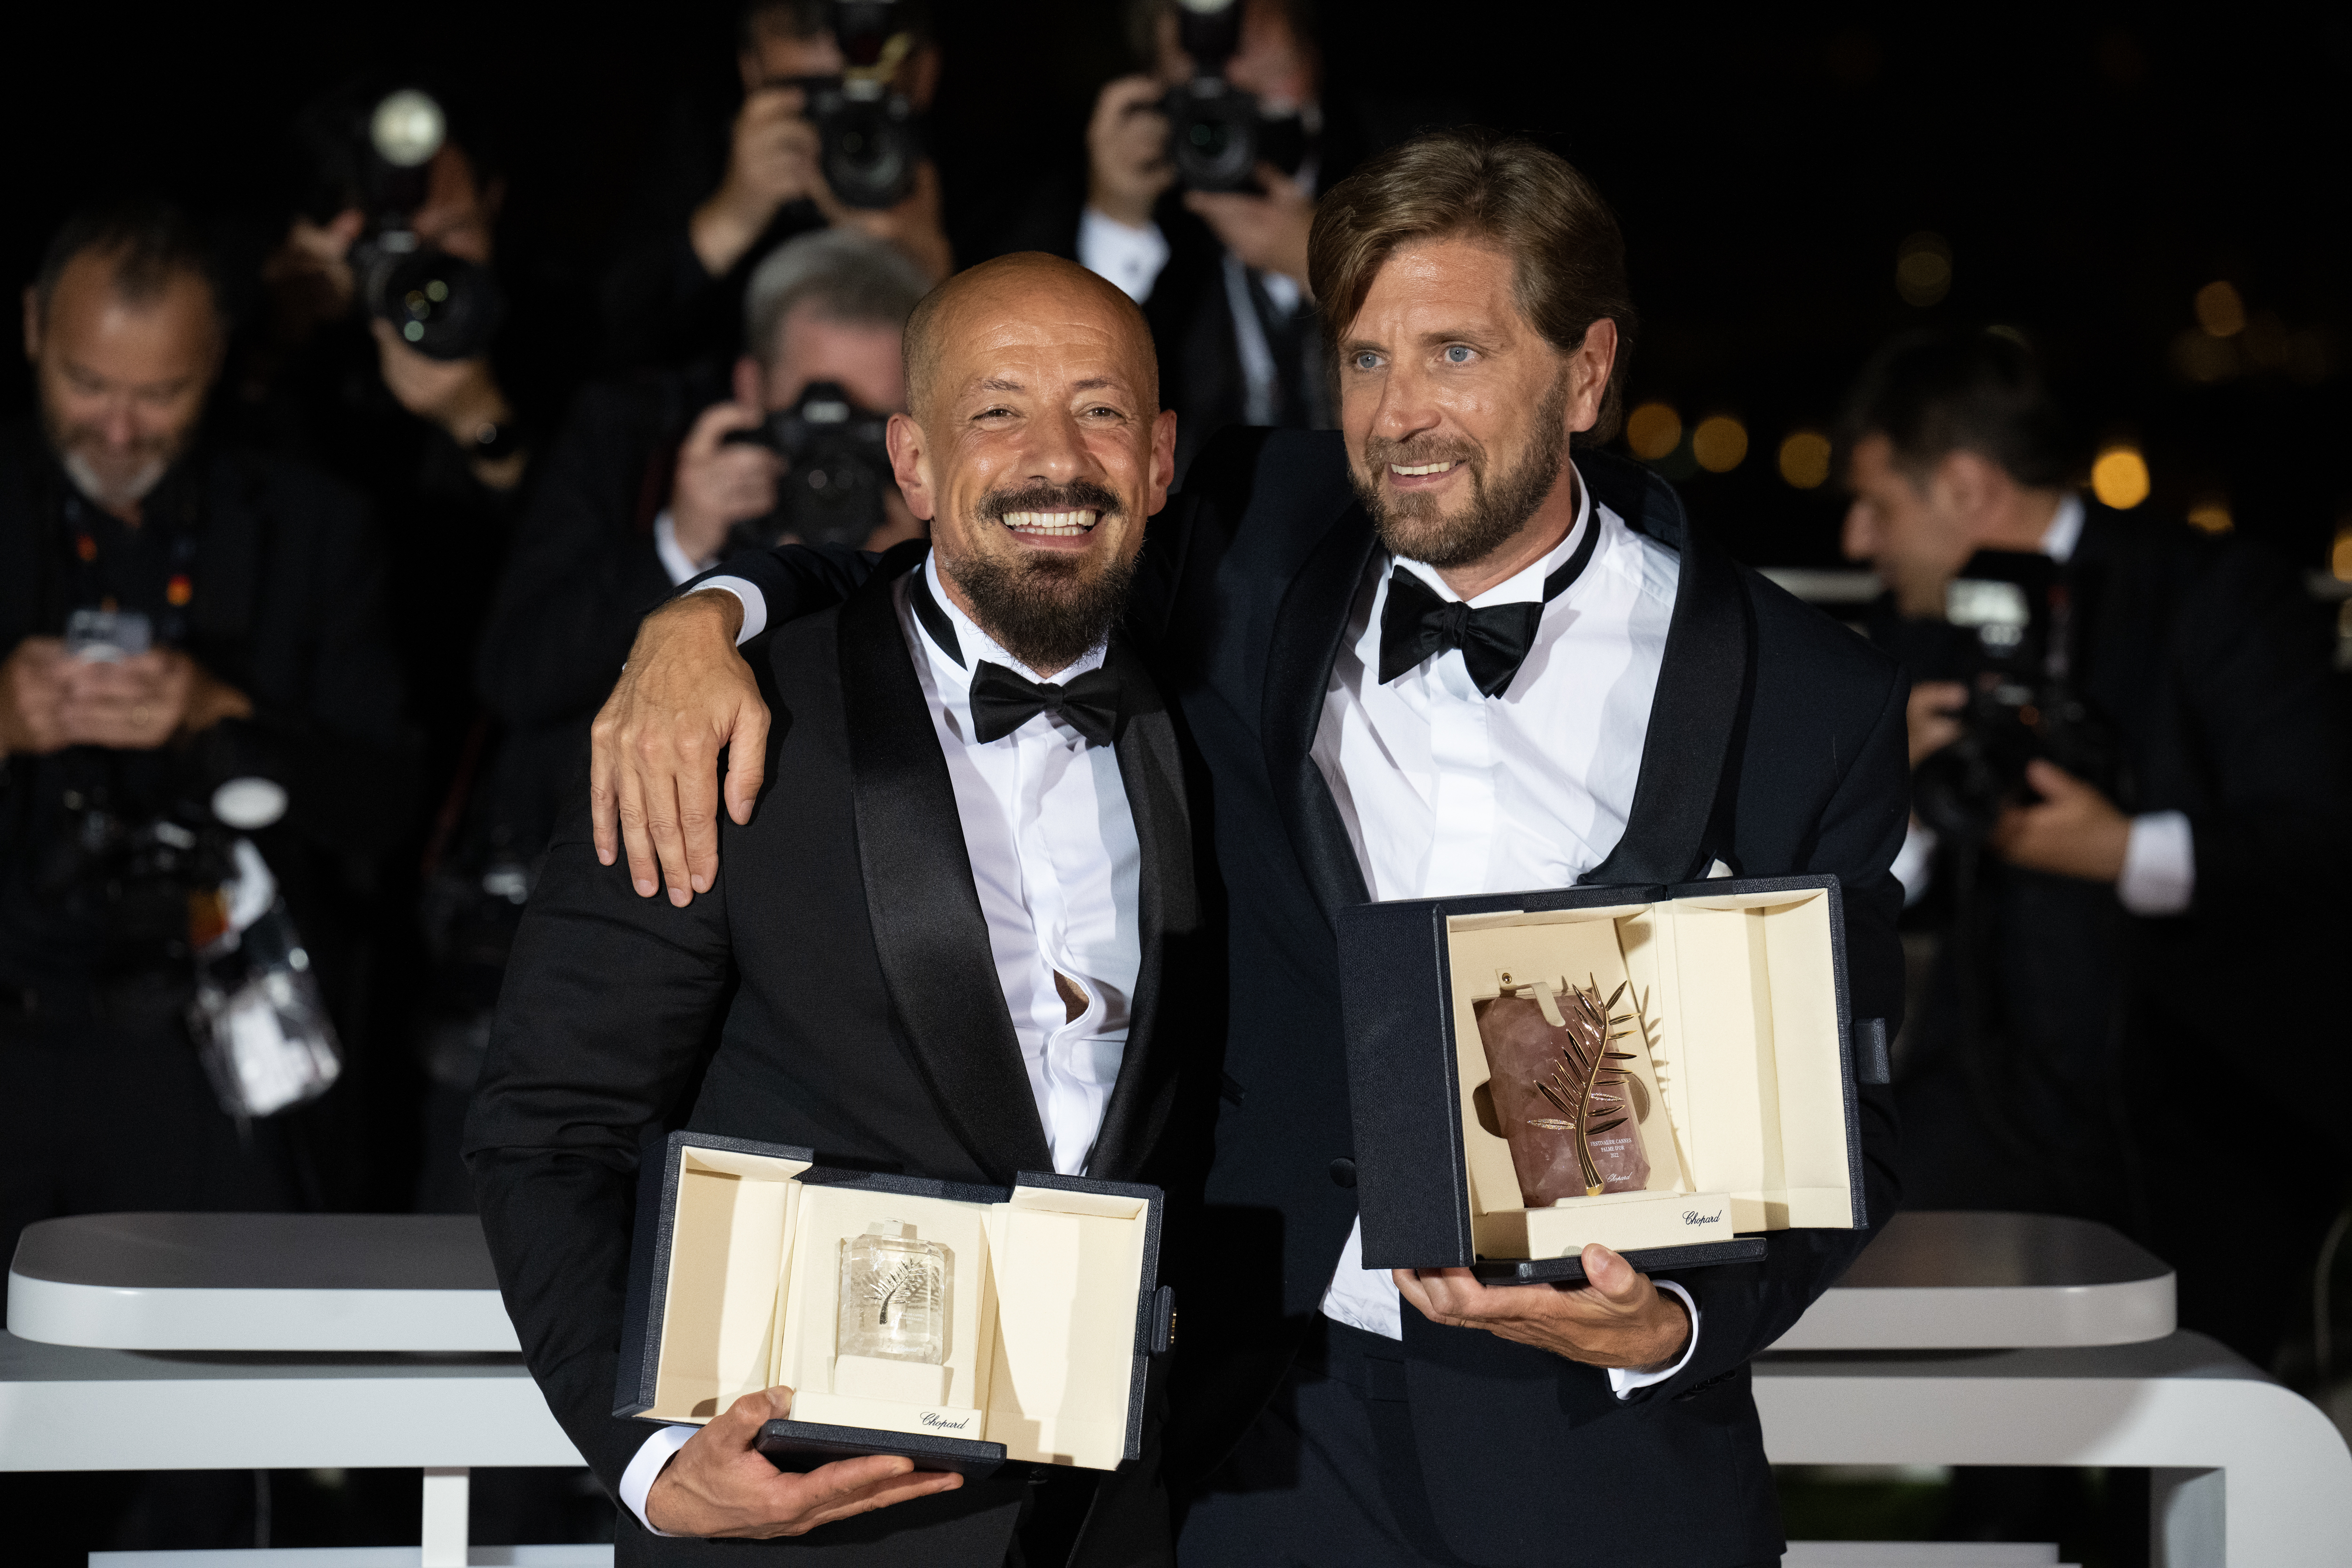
870, 148
442, 306
1214, 136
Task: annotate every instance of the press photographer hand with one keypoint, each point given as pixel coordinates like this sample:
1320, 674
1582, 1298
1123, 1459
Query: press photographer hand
1268, 232
720, 483
1927, 715
33, 698
773, 161
1616, 1317
2072, 830
720, 1485
460, 395
1127, 151
123, 704
684, 696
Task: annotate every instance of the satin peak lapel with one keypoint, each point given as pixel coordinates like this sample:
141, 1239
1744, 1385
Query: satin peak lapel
1307, 631
1696, 715
1167, 920
928, 925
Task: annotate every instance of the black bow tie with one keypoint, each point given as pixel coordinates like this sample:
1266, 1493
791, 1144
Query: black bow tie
1004, 700
1416, 624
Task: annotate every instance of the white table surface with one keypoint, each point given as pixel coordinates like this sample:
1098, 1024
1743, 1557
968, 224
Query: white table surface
1952, 1280
65, 1407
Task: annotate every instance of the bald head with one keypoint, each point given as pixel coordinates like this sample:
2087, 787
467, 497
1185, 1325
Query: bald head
1029, 287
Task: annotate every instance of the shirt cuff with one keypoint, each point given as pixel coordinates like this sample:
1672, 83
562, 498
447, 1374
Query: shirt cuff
748, 594
2159, 874
1916, 861
638, 1479
1130, 258
674, 558
1623, 1381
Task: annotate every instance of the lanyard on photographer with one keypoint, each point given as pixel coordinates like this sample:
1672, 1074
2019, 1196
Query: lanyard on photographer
175, 524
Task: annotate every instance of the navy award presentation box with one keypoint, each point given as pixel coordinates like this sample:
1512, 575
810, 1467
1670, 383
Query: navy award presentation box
1732, 1033
1044, 1317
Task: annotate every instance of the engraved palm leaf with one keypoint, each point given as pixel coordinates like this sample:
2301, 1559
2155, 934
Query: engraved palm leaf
1579, 1082
912, 1283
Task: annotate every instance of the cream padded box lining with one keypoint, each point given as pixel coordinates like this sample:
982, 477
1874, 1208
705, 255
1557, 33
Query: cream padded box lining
1041, 1304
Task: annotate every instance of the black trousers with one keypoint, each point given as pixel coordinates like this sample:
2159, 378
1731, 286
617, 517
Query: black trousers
1327, 1477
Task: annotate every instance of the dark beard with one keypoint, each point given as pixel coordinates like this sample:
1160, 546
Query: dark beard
1414, 529
1045, 610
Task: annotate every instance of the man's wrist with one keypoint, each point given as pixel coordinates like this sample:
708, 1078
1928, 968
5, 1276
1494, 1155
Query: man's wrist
721, 607
723, 227
1127, 209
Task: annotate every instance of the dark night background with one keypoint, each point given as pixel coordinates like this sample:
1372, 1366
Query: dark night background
2089, 171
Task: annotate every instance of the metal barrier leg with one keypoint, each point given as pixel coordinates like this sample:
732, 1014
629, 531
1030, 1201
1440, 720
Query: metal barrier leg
445, 1518
2187, 1527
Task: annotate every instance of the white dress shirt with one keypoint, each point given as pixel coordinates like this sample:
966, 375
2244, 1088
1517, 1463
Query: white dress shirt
1058, 868
1445, 791
2159, 871
674, 559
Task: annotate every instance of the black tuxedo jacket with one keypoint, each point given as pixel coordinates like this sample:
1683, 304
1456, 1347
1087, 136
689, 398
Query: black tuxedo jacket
834, 989
1776, 745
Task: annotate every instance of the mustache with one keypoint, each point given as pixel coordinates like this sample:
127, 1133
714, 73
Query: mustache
1078, 495
1413, 451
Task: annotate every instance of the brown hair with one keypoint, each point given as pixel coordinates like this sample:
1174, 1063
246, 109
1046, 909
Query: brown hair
1561, 236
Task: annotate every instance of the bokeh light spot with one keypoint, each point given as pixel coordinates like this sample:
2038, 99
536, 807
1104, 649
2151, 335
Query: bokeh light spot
1654, 430
2339, 559
1720, 442
2219, 310
1923, 268
2119, 478
1805, 460
2211, 515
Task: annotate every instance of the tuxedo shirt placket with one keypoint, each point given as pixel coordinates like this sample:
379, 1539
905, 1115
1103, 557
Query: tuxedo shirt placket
1057, 864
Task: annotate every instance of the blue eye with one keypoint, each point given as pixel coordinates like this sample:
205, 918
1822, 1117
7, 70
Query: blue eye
1457, 354
1367, 361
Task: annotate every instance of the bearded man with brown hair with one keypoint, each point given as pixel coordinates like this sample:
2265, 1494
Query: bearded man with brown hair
1451, 649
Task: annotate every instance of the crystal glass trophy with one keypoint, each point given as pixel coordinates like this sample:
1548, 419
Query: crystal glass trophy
894, 1295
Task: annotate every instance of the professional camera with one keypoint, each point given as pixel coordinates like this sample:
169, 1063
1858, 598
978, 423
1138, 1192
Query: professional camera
1218, 135
441, 305
838, 474
2010, 615
869, 139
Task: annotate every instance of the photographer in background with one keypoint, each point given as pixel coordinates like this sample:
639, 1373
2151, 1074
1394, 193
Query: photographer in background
676, 298
251, 583
379, 356
1221, 273
2133, 789
654, 479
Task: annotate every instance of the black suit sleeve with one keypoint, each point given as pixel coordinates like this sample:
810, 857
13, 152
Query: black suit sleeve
795, 580
1744, 1308
2263, 726
607, 1016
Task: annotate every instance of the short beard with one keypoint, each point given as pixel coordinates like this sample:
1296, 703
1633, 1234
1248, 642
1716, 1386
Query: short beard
1046, 610
110, 492
1411, 527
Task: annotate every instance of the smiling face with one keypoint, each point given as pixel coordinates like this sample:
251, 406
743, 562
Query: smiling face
1036, 450
1458, 411
123, 380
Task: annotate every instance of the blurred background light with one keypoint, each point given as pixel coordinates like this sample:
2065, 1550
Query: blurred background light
1805, 460
2339, 559
2212, 515
2198, 356
2219, 310
1923, 268
1654, 430
2119, 478
1720, 442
